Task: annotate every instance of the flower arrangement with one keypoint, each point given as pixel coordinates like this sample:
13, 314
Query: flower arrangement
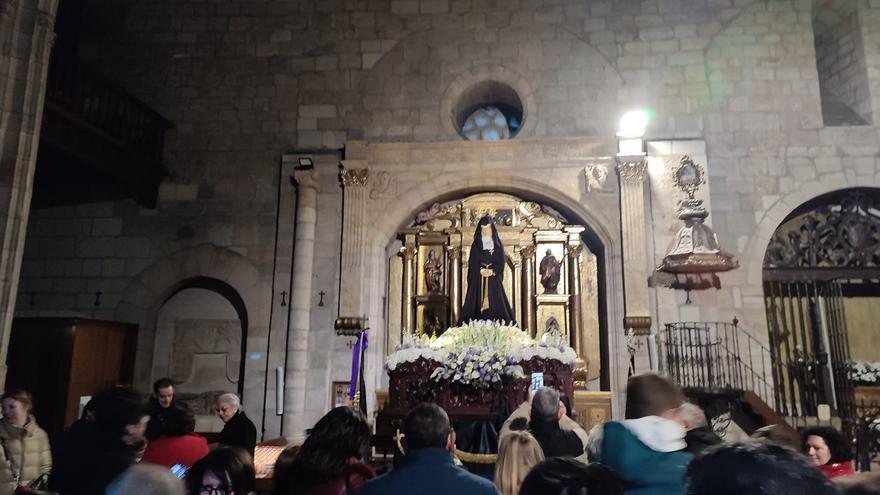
864, 372
480, 352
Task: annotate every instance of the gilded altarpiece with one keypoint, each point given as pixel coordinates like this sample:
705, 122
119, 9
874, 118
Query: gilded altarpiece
550, 276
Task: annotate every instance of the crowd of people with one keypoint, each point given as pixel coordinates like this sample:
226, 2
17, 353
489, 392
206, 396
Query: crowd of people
663, 446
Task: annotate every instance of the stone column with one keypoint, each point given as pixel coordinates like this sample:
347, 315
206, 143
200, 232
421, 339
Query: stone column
637, 316
354, 193
407, 317
528, 290
300, 306
575, 321
454, 269
26, 37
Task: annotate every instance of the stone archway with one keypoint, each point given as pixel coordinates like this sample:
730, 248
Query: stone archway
591, 321
820, 278
205, 266
204, 319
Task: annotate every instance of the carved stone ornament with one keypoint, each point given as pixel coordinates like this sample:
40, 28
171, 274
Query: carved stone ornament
383, 186
840, 234
596, 175
632, 171
354, 177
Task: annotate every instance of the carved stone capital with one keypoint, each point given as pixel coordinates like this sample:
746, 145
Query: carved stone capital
528, 252
306, 178
354, 177
454, 252
575, 250
632, 171
409, 253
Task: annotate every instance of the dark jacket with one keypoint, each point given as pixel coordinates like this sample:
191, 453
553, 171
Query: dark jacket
562, 438
87, 459
700, 439
156, 426
239, 432
429, 472
349, 483
641, 470
554, 441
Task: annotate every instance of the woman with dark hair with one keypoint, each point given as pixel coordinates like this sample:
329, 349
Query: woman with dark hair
329, 462
225, 471
754, 469
564, 475
828, 450
179, 445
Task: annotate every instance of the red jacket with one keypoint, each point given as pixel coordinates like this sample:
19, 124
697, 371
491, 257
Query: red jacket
835, 469
168, 451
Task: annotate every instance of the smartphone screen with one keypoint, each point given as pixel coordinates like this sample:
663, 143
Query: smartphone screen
537, 382
179, 470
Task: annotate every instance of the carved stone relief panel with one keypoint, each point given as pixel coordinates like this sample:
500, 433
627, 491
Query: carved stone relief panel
206, 354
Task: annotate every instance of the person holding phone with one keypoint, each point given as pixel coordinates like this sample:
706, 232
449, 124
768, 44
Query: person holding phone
558, 435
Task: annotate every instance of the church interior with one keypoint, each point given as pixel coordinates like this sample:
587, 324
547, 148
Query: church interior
245, 195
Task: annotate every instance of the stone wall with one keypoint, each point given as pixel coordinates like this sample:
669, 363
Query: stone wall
840, 56
246, 81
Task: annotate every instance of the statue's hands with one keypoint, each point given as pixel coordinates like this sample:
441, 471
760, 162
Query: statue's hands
486, 272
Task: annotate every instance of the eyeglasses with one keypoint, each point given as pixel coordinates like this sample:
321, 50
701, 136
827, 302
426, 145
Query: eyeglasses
211, 490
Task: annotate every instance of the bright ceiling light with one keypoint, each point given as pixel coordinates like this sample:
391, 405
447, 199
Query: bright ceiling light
632, 124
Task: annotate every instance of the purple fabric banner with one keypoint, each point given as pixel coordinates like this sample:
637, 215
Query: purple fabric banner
356, 363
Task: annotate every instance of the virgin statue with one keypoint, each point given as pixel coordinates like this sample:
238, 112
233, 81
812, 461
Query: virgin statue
485, 299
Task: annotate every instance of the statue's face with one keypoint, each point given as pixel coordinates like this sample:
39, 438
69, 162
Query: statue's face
486, 230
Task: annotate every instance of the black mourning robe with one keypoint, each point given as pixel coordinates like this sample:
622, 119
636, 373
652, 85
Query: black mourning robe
499, 306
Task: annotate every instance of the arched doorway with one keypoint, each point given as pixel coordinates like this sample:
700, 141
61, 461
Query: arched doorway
821, 283
201, 336
534, 233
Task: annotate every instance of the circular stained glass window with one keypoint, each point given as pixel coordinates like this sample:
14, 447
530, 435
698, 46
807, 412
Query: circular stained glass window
486, 124
489, 111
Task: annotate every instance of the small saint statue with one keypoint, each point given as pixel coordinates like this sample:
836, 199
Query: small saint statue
485, 299
433, 272
549, 269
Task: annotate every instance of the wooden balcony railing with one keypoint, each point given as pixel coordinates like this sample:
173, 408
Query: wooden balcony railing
99, 123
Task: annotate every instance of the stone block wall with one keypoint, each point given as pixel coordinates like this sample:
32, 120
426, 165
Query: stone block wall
840, 55
246, 81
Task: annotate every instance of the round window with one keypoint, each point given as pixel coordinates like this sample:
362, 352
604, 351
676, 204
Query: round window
489, 111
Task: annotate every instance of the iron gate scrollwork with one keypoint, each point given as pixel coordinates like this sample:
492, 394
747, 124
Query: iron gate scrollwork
827, 246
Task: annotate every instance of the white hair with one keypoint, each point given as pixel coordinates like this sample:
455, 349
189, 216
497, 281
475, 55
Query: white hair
146, 479
231, 399
692, 415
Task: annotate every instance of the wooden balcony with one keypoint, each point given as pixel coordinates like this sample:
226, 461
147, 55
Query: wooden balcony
98, 142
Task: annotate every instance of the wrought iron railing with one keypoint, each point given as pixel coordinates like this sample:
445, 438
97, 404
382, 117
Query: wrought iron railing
717, 357
867, 435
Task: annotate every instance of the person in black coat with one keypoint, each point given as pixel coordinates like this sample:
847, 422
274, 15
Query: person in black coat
238, 430
558, 435
428, 469
92, 452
